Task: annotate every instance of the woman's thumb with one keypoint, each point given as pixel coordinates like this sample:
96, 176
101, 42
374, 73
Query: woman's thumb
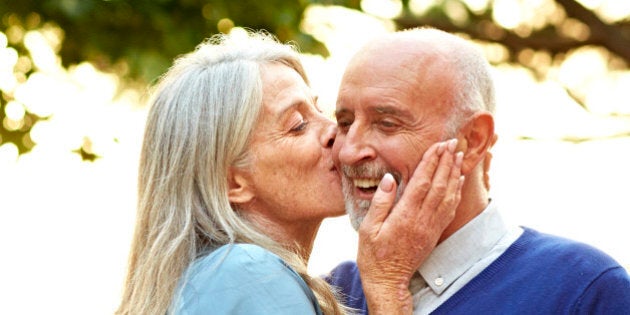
382, 202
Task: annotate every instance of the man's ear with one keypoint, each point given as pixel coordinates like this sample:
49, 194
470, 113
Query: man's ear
476, 140
240, 190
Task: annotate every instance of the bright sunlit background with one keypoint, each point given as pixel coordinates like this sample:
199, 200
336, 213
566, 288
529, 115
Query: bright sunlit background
66, 224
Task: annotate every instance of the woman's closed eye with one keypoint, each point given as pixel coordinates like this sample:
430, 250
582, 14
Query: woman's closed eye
301, 126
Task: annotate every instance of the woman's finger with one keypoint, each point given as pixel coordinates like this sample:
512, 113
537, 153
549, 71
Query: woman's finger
420, 182
444, 180
382, 203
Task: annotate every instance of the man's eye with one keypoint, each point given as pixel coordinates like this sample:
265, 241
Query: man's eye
387, 124
344, 123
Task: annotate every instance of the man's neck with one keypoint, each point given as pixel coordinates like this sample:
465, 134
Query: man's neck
474, 200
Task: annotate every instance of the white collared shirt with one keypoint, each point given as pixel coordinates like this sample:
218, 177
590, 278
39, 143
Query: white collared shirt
461, 257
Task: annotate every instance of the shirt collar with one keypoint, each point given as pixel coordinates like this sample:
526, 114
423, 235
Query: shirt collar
451, 258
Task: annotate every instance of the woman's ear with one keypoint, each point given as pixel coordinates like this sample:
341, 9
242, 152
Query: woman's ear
240, 190
477, 139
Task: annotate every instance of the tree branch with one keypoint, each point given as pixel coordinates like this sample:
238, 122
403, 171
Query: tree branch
614, 37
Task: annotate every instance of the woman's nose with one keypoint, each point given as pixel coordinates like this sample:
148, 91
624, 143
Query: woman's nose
329, 133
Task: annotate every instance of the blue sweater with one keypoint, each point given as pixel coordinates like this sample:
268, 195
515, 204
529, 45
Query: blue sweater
538, 274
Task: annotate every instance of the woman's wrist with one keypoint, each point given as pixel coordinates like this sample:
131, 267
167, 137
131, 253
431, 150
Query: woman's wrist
387, 298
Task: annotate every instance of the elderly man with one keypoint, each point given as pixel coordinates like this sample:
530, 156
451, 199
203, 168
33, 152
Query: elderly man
401, 93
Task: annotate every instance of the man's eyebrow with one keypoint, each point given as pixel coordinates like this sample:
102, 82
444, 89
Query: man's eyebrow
381, 110
389, 110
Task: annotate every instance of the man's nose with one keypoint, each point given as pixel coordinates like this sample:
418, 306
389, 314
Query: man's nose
355, 147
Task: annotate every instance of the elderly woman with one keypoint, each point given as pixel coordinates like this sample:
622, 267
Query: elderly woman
235, 178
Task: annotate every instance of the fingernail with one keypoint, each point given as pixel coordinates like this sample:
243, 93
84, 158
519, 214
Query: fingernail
387, 183
452, 144
461, 182
459, 157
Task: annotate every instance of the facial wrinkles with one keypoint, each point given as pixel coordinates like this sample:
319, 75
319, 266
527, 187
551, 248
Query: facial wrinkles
368, 175
277, 124
384, 82
283, 98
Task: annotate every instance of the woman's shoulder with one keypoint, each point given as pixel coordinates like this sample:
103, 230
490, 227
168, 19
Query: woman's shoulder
241, 279
239, 265
239, 257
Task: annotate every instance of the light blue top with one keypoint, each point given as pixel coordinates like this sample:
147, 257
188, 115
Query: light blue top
244, 279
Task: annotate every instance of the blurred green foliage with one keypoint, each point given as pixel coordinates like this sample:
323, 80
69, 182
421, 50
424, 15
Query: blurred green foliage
138, 39
148, 34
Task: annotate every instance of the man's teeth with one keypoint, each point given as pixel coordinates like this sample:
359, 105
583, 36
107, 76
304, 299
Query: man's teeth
366, 183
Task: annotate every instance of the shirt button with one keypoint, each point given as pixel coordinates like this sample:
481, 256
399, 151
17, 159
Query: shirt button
439, 281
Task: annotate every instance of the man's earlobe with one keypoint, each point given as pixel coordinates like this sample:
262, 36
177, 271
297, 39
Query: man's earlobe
239, 189
479, 137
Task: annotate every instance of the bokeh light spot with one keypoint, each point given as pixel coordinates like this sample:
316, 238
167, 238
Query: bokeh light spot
3, 40
419, 7
14, 110
12, 125
456, 12
225, 25
14, 33
387, 9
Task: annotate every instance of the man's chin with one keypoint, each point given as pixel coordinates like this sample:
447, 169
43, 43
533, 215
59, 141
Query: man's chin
357, 208
357, 212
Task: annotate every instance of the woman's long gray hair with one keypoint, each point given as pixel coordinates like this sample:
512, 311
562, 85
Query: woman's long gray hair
202, 115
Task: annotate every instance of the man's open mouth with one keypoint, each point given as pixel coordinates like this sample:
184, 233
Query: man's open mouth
367, 185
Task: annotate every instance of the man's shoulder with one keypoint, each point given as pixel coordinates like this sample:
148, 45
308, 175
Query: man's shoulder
346, 268
548, 248
537, 255
346, 279
345, 276
545, 273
